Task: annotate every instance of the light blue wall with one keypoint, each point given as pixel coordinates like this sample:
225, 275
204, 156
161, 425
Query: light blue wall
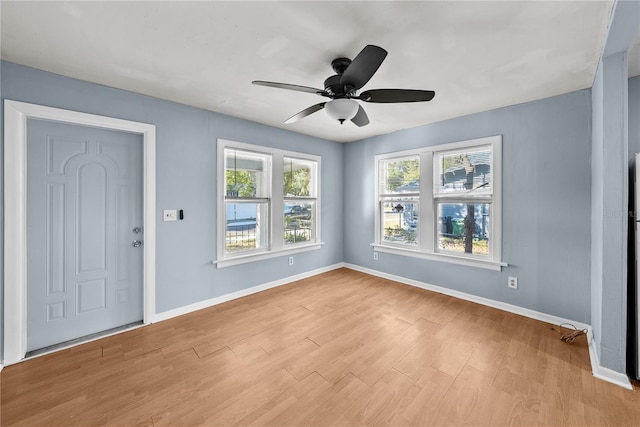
546, 203
186, 179
610, 189
634, 117
597, 203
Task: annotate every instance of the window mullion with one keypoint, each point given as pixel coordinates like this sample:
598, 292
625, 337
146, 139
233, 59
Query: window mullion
220, 202
277, 202
427, 222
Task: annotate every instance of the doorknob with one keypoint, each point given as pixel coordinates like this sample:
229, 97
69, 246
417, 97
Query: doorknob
136, 243
137, 230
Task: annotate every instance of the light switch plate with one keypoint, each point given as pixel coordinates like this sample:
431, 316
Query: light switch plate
169, 214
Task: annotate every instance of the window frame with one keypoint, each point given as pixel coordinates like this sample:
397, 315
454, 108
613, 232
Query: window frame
427, 247
275, 246
265, 199
404, 198
294, 199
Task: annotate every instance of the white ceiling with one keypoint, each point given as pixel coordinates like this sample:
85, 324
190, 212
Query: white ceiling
476, 55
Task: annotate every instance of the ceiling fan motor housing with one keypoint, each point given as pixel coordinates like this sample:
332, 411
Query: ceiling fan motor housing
334, 87
333, 84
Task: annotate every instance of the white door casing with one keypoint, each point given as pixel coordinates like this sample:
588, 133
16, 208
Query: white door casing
15, 212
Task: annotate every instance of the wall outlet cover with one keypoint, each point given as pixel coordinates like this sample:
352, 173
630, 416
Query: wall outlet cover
169, 215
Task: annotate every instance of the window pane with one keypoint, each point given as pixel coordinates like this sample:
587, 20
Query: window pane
298, 222
462, 171
464, 228
246, 174
246, 227
299, 178
400, 222
400, 175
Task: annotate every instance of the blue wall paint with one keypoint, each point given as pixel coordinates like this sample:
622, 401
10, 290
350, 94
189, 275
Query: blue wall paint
634, 118
615, 181
546, 204
610, 184
597, 205
186, 179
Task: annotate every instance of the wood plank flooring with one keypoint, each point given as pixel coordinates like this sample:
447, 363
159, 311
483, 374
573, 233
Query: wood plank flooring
339, 349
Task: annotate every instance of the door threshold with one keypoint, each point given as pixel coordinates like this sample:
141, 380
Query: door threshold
82, 340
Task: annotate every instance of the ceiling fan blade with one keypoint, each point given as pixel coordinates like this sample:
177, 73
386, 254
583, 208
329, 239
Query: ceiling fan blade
361, 118
363, 67
396, 95
306, 112
297, 88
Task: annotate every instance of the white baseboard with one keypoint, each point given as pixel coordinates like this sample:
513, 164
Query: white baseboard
1, 367
555, 320
598, 371
603, 373
165, 315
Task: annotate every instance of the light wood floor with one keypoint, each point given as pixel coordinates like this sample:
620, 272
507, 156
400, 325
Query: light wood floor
341, 348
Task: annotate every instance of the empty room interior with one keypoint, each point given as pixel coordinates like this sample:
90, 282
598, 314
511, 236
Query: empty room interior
286, 213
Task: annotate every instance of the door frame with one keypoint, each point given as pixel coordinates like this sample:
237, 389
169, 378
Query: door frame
15, 212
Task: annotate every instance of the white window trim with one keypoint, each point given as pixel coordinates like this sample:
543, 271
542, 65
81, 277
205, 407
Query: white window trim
276, 246
427, 235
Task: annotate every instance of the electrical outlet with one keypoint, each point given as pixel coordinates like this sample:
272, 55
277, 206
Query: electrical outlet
513, 282
169, 215
290, 260
375, 256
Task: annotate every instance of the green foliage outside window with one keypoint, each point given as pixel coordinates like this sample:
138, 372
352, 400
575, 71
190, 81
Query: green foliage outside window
402, 172
241, 183
452, 161
297, 182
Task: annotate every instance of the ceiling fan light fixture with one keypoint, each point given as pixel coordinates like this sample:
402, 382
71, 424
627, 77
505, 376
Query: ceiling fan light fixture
342, 109
341, 88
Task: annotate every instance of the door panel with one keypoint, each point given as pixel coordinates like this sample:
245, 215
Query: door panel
84, 199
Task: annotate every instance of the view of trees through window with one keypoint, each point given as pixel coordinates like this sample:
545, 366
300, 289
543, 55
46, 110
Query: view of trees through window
457, 203
297, 182
400, 182
402, 173
268, 202
464, 227
240, 183
299, 204
246, 200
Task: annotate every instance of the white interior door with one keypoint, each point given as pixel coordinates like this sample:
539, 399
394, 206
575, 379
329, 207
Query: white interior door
84, 231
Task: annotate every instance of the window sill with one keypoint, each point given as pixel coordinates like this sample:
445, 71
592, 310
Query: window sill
243, 259
469, 262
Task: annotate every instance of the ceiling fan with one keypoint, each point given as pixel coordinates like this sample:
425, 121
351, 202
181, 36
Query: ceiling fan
342, 89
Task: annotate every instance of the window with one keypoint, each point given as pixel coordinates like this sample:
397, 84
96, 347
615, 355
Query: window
268, 202
400, 200
247, 200
442, 202
299, 200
